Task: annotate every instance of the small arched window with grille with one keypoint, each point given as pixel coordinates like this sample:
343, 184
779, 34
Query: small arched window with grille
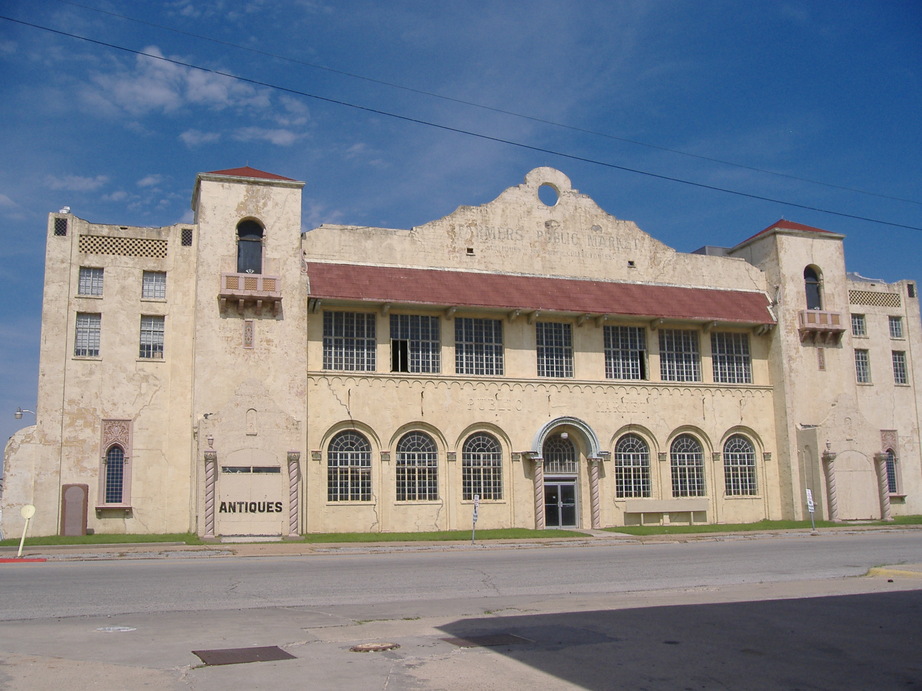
349, 467
739, 459
632, 467
417, 468
687, 464
559, 455
481, 467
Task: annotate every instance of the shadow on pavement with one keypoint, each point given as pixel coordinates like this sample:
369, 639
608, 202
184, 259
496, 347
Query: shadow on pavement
843, 642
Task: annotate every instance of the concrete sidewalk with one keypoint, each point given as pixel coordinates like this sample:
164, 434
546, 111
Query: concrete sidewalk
281, 548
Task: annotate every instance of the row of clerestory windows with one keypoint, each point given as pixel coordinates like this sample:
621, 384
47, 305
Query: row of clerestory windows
350, 344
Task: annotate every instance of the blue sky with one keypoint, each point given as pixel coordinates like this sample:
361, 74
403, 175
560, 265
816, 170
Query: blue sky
766, 98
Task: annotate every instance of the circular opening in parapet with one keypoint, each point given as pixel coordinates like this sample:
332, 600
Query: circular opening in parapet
548, 194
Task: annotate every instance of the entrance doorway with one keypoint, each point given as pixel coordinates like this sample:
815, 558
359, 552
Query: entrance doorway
560, 503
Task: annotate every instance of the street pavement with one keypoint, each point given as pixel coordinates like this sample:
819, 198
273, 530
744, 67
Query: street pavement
830, 633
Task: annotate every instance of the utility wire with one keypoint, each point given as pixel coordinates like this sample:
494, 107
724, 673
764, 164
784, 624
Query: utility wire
457, 130
493, 109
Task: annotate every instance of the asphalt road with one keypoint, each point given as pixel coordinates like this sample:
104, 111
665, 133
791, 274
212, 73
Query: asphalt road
206, 584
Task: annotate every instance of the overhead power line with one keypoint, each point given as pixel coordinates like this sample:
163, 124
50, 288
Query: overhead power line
457, 130
501, 111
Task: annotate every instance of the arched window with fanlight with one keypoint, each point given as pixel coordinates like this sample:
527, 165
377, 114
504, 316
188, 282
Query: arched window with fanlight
481, 467
417, 468
632, 467
349, 467
813, 288
249, 247
739, 467
687, 464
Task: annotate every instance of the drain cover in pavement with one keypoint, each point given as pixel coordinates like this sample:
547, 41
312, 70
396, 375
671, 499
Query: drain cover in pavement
487, 641
236, 656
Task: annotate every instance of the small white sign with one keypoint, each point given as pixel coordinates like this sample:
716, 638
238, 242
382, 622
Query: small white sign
811, 507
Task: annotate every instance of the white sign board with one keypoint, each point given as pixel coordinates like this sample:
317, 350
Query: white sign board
811, 507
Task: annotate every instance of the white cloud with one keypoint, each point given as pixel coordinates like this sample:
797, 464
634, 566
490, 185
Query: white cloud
279, 137
6, 202
150, 181
118, 196
75, 183
197, 137
155, 85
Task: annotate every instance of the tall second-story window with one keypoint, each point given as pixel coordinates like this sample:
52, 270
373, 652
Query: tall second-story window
859, 325
900, 375
896, 327
812, 288
349, 341
90, 281
625, 352
730, 356
554, 349
86, 338
679, 358
478, 346
249, 248
862, 367
415, 343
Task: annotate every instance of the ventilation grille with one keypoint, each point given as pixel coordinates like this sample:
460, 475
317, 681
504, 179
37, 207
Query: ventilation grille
187, 237
125, 247
874, 299
60, 227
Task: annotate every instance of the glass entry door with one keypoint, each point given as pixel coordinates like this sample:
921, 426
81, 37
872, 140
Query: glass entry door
560, 504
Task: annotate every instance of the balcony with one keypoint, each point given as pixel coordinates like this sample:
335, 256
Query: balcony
821, 327
257, 290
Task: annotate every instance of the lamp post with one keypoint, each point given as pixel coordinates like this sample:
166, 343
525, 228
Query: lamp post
20, 411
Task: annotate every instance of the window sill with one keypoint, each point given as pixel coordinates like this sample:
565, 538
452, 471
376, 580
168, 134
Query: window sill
89, 297
151, 359
162, 300
896, 495
125, 508
88, 358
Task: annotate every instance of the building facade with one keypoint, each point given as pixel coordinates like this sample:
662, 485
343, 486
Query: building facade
533, 361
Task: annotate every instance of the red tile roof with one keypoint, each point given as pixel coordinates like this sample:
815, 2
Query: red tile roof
504, 291
788, 225
247, 172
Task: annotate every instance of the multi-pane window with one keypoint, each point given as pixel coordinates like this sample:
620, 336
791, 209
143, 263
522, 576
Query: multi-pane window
554, 349
679, 356
687, 463
559, 455
115, 475
862, 367
625, 352
415, 343
899, 367
730, 356
813, 288
893, 485
89, 281
632, 467
896, 327
86, 339
859, 325
151, 338
349, 341
739, 467
417, 468
481, 468
153, 285
478, 346
349, 468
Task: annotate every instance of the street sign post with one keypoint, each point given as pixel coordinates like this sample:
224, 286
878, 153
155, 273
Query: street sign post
811, 507
474, 521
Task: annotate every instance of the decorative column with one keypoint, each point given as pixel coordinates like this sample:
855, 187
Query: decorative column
211, 473
294, 477
883, 486
829, 471
595, 504
539, 493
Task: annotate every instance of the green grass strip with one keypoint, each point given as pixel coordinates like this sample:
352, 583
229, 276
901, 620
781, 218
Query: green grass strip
746, 527
104, 539
440, 535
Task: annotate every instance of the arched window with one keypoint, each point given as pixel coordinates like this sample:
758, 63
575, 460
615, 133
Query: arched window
739, 467
812, 287
115, 474
559, 455
687, 461
632, 467
349, 467
417, 468
481, 468
893, 483
249, 248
